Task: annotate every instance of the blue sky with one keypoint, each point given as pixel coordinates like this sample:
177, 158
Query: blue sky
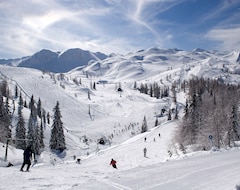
118, 26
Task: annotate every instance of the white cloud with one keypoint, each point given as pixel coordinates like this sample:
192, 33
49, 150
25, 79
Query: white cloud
228, 38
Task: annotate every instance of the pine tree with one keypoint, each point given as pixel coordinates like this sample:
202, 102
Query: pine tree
234, 120
39, 108
89, 95
32, 124
5, 122
144, 125
31, 103
44, 118
169, 115
16, 91
57, 140
48, 118
20, 129
176, 113
94, 86
156, 122
41, 135
37, 141
4, 90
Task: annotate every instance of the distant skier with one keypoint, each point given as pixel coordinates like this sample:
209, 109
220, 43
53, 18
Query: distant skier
145, 139
27, 156
145, 152
113, 163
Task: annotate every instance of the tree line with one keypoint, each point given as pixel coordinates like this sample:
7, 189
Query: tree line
211, 115
22, 135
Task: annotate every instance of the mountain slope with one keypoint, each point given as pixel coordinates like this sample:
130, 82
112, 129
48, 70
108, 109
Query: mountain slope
47, 60
92, 114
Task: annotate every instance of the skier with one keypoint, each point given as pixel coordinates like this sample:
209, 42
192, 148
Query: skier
27, 156
145, 152
113, 163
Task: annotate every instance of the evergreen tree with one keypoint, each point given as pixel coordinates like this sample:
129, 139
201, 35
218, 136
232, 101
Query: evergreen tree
169, 115
4, 90
37, 141
48, 118
94, 86
44, 118
144, 125
135, 85
25, 104
234, 120
41, 135
32, 125
151, 90
20, 129
16, 91
57, 140
89, 95
5, 122
156, 122
39, 108
31, 103
176, 113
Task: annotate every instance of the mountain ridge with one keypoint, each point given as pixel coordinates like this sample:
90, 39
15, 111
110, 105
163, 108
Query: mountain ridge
57, 62
48, 60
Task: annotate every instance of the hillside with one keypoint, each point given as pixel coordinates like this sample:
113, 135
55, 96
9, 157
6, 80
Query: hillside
113, 113
118, 117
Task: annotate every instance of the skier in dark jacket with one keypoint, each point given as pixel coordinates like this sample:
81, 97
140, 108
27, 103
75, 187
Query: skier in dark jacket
113, 163
27, 156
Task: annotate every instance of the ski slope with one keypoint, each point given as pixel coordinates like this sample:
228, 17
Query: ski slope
120, 116
201, 170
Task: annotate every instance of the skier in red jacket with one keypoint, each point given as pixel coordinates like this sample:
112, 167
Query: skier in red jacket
113, 163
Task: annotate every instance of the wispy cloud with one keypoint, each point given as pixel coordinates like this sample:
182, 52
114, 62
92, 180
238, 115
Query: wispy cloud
28, 26
228, 38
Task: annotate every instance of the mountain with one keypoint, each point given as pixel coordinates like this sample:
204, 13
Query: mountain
13, 62
55, 61
152, 63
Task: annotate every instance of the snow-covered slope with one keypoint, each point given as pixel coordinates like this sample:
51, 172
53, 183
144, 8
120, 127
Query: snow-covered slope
118, 117
157, 64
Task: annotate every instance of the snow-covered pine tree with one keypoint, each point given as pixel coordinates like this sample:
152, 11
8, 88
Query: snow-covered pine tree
4, 90
31, 103
5, 122
144, 125
48, 118
169, 115
44, 121
16, 91
37, 141
234, 120
41, 135
57, 140
39, 108
20, 129
156, 122
176, 113
32, 123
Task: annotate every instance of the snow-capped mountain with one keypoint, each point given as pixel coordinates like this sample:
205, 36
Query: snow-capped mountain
48, 60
